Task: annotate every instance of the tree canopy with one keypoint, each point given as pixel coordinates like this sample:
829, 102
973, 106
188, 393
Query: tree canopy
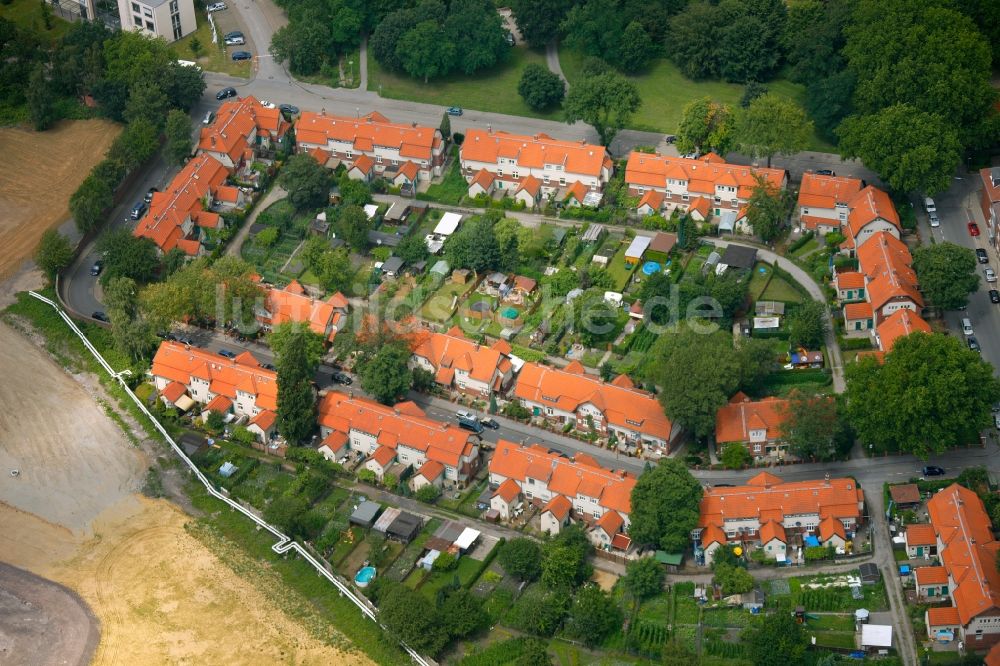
665, 506
643, 578
933, 394
705, 126
775, 639
606, 101
538, 20
522, 558
306, 181
807, 325
54, 253
593, 616
813, 428
539, 88
947, 274
772, 125
127, 256
386, 374
768, 209
296, 400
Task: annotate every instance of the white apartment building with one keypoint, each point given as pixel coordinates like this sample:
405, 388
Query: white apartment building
169, 19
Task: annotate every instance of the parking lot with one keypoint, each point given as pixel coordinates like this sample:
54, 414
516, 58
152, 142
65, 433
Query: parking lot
230, 20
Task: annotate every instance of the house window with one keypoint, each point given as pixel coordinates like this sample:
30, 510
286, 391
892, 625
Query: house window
500, 173
684, 197
548, 410
562, 181
150, 26
718, 200
805, 211
135, 7
756, 448
137, 20
378, 158
395, 163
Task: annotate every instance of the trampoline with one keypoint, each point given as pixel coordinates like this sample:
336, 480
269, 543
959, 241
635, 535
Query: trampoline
365, 576
650, 267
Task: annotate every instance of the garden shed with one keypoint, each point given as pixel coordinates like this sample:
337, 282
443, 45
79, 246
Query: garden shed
365, 514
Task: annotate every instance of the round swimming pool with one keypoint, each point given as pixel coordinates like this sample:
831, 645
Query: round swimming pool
650, 267
364, 576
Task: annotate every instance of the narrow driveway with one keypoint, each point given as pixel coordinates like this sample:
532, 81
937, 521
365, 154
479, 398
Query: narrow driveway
236, 244
552, 59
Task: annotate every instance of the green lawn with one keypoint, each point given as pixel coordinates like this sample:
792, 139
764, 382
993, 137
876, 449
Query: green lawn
778, 289
619, 271
665, 92
450, 190
758, 280
351, 64
213, 58
438, 306
494, 89
28, 14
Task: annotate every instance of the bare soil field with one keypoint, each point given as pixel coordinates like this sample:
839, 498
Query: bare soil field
46, 168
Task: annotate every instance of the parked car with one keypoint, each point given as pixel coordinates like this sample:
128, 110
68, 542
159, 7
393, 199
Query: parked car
973, 229
471, 424
266, 104
185, 340
216, 7
973, 343
242, 55
454, 110
929, 205
227, 353
466, 414
342, 378
982, 256
267, 366
289, 109
149, 194
932, 470
825, 172
209, 117
996, 421
235, 41
100, 316
234, 33
991, 275
490, 423
225, 92
138, 209
935, 220
994, 296
967, 326
509, 38
97, 267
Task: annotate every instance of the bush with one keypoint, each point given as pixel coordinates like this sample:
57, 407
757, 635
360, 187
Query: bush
367, 476
445, 562
817, 553
800, 243
428, 494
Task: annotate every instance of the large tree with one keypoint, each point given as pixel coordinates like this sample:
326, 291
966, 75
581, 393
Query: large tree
54, 253
808, 325
643, 578
127, 256
665, 506
386, 374
132, 335
476, 29
288, 333
931, 394
353, 226
88, 203
178, 132
768, 209
425, 51
146, 100
539, 88
475, 245
412, 617
538, 20
606, 101
564, 559
910, 149
692, 47
593, 616
306, 181
41, 100
772, 125
775, 639
296, 400
705, 125
947, 274
522, 558
732, 579
812, 427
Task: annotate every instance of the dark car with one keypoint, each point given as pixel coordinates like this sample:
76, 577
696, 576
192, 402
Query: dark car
289, 109
98, 266
982, 256
149, 195
342, 378
184, 340
138, 209
267, 366
226, 92
994, 296
973, 343
469, 424
932, 470
454, 110
242, 55
227, 353
100, 316
490, 423
825, 172
166, 335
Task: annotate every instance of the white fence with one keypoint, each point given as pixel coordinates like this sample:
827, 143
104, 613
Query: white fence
284, 543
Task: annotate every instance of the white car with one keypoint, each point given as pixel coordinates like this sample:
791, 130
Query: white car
991, 275
235, 41
935, 220
216, 7
266, 104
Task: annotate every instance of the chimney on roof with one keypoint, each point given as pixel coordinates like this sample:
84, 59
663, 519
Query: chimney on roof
826, 480
350, 394
414, 123
489, 127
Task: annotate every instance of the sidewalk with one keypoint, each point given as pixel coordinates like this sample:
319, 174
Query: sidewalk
236, 244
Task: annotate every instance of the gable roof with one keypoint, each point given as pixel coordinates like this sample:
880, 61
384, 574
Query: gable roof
653, 199
868, 205
733, 422
531, 185
559, 507
771, 530
577, 191
293, 304
173, 391
701, 175
931, 575
415, 142
827, 192
899, 324
393, 427
943, 616
384, 455
508, 491
176, 362
431, 470
626, 408
969, 552
181, 201
264, 420
484, 179
564, 476
886, 262
859, 310
830, 527
611, 523
850, 279
764, 499
534, 152
453, 351
235, 122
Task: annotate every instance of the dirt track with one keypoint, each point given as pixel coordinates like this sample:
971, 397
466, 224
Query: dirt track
46, 168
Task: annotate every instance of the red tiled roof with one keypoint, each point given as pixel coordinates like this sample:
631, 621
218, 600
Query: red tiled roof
611, 523
772, 529
734, 421
969, 552
700, 205
568, 390
292, 304
220, 404
453, 351
860, 310
408, 169
838, 498
850, 279
335, 441
653, 170
868, 205
993, 656
431, 470
578, 191
484, 179
907, 493
653, 199
234, 124
176, 362
264, 420
558, 506
508, 491
829, 527
534, 152
886, 262
384, 455
611, 489
531, 185
173, 391
363, 163
712, 534
439, 441
363, 134
943, 616
920, 535
819, 191
931, 575
899, 324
